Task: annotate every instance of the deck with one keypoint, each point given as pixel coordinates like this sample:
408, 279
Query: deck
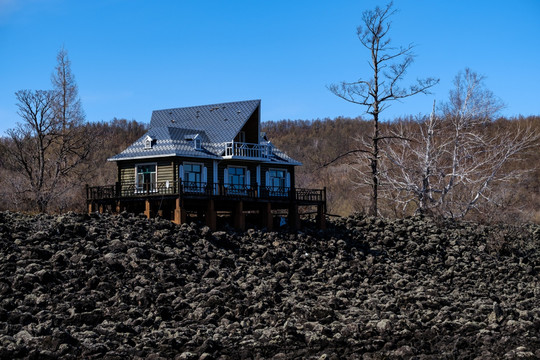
177, 198
181, 189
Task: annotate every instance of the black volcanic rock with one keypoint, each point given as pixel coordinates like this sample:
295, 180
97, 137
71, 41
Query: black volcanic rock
116, 287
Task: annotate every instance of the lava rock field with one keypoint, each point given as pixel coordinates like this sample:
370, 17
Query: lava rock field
97, 286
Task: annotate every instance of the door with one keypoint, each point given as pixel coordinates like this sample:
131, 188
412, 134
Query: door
145, 180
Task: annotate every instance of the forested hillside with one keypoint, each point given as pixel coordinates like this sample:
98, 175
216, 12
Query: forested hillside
318, 143
315, 143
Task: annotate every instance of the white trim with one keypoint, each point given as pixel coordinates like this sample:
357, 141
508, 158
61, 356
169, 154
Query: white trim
202, 156
205, 156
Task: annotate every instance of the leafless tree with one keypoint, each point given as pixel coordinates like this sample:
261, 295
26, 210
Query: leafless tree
31, 142
454, 159
388, 66
50, 143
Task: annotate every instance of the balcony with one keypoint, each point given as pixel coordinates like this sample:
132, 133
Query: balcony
247, 151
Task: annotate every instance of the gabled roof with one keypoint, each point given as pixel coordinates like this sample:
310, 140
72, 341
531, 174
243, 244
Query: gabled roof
221, 122
172, 131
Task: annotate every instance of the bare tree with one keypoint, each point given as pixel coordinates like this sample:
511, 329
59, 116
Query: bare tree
50, 144
455, 159
389, 66
31, 143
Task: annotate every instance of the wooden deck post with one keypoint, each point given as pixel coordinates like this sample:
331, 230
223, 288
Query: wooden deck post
101, 208
294, 219
118, 207
211, 215
90, 207
239, 217
266, 216
179, 213
147, 208
321, 219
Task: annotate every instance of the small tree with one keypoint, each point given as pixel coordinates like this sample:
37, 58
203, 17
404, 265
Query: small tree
388, 65
456, 158
31, 143
50, 144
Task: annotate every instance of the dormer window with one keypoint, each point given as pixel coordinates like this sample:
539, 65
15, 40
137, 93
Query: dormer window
195, 140
148, 142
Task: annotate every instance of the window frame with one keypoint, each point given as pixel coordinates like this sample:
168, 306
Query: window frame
277, 190
199, 185
139, 188
237, 188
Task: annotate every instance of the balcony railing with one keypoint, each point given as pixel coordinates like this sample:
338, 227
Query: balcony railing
200, 189
247, 151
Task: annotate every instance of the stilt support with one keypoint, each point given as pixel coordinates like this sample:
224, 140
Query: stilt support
147, 208
211, 215
179, 213
239, 217
266, 216
321, 219
294, 219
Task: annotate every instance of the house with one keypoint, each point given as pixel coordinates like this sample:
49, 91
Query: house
206, 161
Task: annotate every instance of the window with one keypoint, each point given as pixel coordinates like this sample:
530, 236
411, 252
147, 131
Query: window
237, 179
277, 182
193, 176
237, 176
146, 177
197, 143
195, 140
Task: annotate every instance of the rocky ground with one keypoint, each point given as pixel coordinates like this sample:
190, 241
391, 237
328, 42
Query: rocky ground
117, 287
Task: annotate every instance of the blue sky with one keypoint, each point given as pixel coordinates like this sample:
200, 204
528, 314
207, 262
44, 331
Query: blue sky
130, 57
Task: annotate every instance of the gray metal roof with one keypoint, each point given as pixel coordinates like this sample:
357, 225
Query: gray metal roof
221, 122
215, 124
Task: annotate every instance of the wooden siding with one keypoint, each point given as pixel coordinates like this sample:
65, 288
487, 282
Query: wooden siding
167, 169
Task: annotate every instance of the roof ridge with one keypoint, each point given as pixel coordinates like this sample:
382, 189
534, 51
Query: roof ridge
211, 105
